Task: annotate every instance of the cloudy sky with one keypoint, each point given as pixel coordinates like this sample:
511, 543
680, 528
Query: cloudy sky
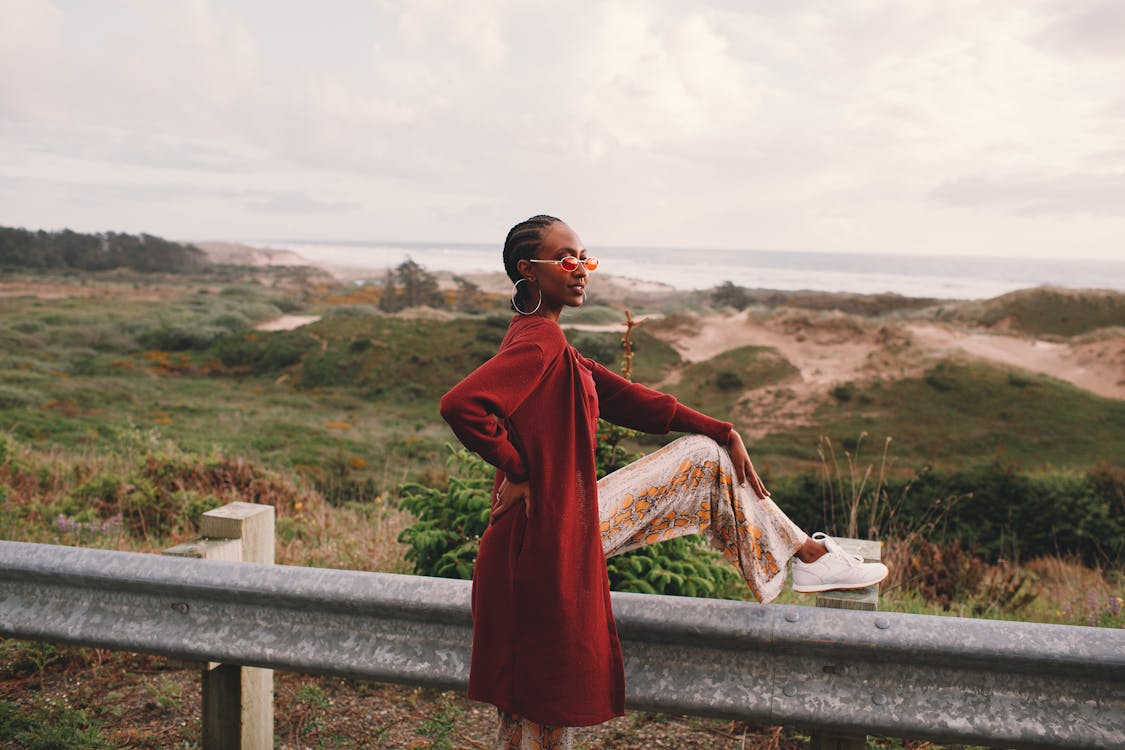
988, 127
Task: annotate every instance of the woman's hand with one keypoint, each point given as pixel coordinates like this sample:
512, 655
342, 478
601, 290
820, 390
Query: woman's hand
508, 496
743, 467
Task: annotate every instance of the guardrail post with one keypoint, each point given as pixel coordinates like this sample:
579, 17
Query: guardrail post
863, 599
237, 701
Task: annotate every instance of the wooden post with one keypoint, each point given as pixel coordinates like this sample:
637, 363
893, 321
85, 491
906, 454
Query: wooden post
237, 701
864, 599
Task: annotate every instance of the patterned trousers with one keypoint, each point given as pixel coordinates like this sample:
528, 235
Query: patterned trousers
686, 487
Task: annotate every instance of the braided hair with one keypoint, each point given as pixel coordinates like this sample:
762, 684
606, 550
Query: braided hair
523, 241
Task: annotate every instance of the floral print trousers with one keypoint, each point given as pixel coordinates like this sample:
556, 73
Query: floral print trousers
686, 487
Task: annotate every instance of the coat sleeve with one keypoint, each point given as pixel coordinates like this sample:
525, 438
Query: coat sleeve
639, 407
478, 407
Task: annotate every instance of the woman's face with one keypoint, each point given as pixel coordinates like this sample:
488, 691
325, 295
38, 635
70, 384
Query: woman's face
558, 286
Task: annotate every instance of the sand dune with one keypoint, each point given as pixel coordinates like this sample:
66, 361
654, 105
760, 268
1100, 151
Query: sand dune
829, 350
1098, 366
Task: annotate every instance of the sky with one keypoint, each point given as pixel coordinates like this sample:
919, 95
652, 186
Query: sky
980, 127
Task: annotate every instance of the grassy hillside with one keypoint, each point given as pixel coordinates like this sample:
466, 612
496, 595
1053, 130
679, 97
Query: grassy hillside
129, 410
1045, 311
713, 386
360, 389
968, 412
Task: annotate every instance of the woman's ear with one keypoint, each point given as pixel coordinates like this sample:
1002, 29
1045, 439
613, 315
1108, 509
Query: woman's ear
526, 269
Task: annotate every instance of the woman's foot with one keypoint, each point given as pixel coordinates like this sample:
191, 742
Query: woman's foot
832, 569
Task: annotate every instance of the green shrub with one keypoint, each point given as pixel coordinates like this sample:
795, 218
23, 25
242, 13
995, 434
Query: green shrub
728, 381
444, 540
230, 321
685, 566
993, 509
14, 397
263, 353
179, 337
50, 726
145, 506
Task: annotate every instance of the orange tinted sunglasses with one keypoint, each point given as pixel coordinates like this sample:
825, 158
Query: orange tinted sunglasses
570, 263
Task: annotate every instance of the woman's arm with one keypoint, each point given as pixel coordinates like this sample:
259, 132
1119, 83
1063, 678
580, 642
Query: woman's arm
478, 406
642, 408
639, 407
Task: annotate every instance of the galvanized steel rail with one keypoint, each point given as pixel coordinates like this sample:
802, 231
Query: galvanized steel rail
940, 678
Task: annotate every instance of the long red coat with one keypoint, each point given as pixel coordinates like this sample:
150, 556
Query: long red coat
545, 643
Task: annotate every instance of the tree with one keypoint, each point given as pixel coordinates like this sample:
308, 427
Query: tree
419, 287
728, 294
469, 296
390, 302
97, 252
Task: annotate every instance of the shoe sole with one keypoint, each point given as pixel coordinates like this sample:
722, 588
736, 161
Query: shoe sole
835, 587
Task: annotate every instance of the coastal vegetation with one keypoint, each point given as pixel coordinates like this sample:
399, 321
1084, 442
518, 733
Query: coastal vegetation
74, 251
132, 400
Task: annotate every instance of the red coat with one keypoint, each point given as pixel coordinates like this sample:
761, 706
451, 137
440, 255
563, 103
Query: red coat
545, 643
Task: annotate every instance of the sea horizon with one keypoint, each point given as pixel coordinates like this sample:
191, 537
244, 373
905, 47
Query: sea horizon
937, 276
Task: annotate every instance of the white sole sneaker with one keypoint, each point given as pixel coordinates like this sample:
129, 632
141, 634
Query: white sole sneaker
835, 570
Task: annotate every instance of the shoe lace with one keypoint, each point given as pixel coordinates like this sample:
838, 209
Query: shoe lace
832, 545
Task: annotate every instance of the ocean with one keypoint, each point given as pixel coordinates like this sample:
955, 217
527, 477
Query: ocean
945, 277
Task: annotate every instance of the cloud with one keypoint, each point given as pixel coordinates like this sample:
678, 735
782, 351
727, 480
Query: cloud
296, 202
1087, 28
664, 122
1086, 194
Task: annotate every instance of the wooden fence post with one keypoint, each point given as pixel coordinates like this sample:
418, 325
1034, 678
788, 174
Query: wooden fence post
863, 599
237, 701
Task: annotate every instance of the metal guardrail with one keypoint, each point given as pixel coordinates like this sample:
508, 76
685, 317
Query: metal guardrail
939, 678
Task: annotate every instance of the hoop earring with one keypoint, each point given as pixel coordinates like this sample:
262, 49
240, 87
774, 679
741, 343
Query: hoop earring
516, 292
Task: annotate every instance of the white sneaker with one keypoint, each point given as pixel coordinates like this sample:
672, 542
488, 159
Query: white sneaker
835, 569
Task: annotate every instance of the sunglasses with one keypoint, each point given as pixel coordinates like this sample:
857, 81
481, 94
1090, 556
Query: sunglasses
570, 263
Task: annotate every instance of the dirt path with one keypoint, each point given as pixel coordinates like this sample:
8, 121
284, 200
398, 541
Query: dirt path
287, 322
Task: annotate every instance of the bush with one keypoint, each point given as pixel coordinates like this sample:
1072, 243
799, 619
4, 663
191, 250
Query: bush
992, 509
179, 337
14, 397
444, 540
728, 381
263, 354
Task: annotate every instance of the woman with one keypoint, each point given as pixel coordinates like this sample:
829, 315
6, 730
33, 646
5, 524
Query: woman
545, 645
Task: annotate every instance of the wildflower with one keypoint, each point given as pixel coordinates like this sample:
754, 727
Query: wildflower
1115, 606
111, 524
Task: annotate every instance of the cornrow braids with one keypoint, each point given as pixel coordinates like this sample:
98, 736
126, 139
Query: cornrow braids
522, 242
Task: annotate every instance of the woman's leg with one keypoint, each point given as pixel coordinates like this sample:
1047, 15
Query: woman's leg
688, 487
517, 733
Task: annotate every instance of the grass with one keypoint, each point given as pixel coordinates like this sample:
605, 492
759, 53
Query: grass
710, 386
150, 400
968, 412
48, 725
1045, 311
653, 361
